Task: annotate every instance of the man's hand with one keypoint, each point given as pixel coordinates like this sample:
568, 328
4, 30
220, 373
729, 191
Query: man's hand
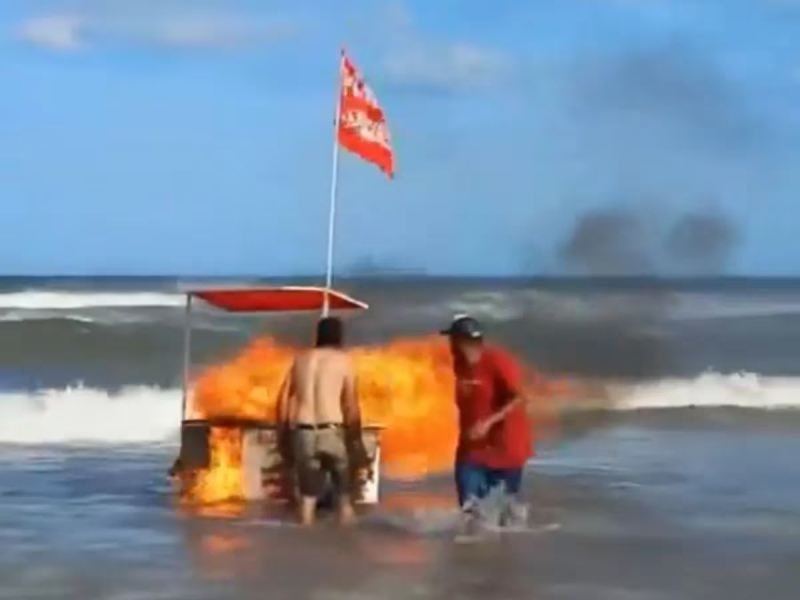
480, 429
355, 449
361, 457
366, 474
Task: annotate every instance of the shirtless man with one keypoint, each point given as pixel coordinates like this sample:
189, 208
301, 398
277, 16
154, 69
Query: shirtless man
320, 417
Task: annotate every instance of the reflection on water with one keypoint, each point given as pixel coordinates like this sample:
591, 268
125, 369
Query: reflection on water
405, 552
218, 510
239, 543
418, 500
232, 535
222, 543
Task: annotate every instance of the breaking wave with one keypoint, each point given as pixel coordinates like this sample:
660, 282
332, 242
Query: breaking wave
712, 390
578, 307
88, 415
151, 415
496, 305
39, 300
16, 316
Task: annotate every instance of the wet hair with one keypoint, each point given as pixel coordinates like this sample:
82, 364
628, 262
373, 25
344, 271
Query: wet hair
330, 333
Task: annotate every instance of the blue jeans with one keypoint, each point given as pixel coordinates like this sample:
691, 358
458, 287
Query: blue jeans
474, 482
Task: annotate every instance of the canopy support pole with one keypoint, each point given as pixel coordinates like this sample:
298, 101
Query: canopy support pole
187, 354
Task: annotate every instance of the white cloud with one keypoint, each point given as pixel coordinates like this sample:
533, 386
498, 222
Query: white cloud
57, 32
416, 60
446, 66
176, 26
204, 31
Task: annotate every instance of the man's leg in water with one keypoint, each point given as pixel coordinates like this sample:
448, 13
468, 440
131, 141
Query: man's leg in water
514, 512
510, 479
344, 506
310, 483
337, 462
340, 479
308, 508
471, 483
309, 474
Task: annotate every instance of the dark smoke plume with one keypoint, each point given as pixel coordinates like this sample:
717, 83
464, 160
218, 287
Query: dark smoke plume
702, 241
609, 241
649, 119
625, 241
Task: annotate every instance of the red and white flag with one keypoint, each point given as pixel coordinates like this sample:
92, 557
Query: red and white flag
362, 125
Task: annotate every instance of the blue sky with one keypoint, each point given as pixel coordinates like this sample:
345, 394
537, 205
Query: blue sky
194, 136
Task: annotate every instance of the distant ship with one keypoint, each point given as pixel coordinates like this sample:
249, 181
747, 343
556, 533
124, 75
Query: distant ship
371, 268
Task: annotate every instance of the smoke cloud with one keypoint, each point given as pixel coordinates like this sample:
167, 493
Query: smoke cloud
626, 241
662, 125
702, 241
611, 241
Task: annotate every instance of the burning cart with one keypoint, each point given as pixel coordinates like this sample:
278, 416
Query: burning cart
263, 473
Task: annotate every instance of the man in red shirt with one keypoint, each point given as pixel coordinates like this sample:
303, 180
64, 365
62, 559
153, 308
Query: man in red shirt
495, 438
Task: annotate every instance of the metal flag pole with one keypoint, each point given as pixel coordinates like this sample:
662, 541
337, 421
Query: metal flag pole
334, 185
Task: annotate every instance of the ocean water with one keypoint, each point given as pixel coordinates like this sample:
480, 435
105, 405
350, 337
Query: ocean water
684, 485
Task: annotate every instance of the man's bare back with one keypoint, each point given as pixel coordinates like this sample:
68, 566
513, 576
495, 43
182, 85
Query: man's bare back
319, 414
320, 379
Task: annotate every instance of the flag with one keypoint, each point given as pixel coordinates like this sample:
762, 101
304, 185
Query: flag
362, 127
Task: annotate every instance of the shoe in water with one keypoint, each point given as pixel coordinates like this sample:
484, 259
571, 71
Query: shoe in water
515, 515
469, 521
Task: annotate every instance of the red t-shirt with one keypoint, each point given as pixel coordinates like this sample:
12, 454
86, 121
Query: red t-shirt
482, 390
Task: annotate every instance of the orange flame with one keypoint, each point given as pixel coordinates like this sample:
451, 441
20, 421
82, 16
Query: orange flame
406, 386
223, 479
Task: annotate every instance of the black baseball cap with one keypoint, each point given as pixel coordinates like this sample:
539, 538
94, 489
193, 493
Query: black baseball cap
465, 327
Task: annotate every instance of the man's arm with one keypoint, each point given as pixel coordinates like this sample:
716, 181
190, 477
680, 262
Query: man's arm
284, 413
285, 397
520, 398
510, 375
351, 410
351, 415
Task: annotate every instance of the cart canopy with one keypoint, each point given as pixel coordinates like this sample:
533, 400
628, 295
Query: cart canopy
276, 299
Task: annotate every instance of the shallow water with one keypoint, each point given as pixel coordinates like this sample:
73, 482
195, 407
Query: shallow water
645, 511
669, 502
